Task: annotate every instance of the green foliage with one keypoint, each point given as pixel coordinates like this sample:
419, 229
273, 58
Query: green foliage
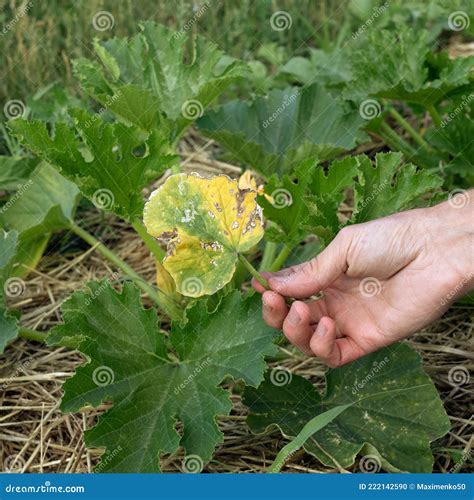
389, 186
8, 322
110, 162
15, 170
395, 411
147, 80
276, 132
43, 204
153, 381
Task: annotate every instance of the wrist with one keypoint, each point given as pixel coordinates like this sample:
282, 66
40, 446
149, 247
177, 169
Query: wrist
455, 225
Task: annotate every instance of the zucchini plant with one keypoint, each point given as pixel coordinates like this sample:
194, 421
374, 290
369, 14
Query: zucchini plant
165, 385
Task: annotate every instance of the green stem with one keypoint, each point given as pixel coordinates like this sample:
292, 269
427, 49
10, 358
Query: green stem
434, 115
411, 131
254, 272
397, 141
281, 257
161, 299
28, 333
149, 241
268, 256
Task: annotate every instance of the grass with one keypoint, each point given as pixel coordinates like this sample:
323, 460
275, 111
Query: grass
38, 48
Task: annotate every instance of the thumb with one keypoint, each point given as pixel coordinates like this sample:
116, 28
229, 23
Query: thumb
311, 277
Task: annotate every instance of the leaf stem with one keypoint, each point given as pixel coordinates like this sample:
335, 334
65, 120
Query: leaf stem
28, 333
434, 115
397, 141
281, 257
268, 255
161, 299
254, 272
411, 131
149, 241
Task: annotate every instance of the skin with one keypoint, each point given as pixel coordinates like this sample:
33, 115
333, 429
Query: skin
381, 281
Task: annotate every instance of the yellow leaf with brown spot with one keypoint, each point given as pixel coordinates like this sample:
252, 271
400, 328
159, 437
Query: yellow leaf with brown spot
207, 223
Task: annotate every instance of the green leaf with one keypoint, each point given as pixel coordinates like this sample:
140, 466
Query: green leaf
390, 186
14, 171
408, 71
8, 322
109, 162
455, 138
208, 222
147, 77
395, 413
327, 190
276, 132
284, 205
152, 390
45, 203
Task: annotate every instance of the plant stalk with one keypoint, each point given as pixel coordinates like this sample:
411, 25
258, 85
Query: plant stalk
268, 256
281, 257
28, 333
161, 299
149, 241
411, 131
434, 115
254, 272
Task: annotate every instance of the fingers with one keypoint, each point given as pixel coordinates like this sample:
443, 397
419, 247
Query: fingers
313, 276
274, 309
332, 350
297, 326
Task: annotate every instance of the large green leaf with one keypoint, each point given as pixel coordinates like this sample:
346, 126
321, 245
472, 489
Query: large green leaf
146, 78
408, 71
14, 171
395, 413
109, 162
45, 203
8, 323
389, 186
152, 389
274, 133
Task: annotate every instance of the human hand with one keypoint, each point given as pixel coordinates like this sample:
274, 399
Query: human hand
381, 280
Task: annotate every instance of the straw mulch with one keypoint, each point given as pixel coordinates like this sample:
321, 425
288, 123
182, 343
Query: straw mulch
36, 437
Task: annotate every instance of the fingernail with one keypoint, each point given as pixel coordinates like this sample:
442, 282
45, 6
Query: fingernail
266, 305
322, 329
293, 317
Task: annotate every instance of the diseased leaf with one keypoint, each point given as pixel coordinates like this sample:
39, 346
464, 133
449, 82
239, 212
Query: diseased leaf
390, 186
396, 411
8, 322
208, 223
146, 81
151, 391
276, 132
109, 162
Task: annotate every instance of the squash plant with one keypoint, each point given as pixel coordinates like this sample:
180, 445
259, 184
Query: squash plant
165, 388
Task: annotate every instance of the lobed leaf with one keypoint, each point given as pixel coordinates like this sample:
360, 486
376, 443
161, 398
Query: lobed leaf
208, 223
395, 411
146, 80
109, 162
151, 391
276, 132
